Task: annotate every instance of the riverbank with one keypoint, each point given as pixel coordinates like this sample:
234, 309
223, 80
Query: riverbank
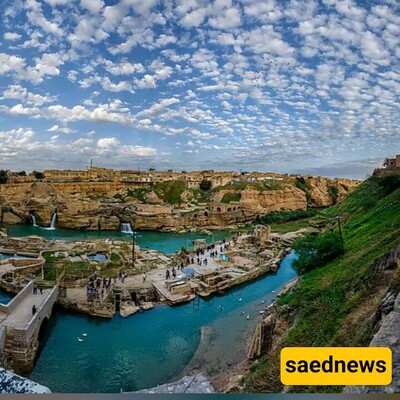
225, 369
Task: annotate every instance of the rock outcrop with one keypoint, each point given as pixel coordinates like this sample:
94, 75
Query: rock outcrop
105, 205
289, 198
387, 336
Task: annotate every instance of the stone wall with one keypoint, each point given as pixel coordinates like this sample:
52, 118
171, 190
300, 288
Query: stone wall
13, 304
21, 344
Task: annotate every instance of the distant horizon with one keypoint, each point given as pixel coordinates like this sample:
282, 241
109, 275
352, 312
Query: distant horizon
183, 170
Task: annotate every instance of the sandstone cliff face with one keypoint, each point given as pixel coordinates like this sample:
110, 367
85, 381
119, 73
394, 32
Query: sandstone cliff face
274, 200
105, 205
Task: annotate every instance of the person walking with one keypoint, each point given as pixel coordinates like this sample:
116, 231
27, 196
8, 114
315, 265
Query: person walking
144, 277
33, 310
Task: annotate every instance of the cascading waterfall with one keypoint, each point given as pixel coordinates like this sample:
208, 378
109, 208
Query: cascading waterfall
53, 221
33, 220
126, 227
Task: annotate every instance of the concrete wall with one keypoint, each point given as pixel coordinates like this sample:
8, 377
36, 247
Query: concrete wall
44, 311
13, 304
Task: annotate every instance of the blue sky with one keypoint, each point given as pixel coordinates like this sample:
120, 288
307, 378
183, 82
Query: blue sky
288, 86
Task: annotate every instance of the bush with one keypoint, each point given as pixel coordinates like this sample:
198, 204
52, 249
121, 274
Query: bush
231, 196
314, 251
38, 175
170, 191
205, 185
305, 186
277, 217
333, 193
3, 176
139, 194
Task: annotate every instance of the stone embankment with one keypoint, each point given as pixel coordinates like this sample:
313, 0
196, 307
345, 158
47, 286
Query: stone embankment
198, 383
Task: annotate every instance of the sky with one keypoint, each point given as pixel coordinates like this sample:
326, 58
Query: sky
291, 86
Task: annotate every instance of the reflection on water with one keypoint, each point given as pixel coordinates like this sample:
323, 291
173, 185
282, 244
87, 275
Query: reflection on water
152, 347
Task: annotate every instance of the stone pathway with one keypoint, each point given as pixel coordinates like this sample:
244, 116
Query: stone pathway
188, 384
23, 314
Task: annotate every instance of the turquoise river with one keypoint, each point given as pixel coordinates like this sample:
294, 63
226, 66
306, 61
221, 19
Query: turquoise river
155, 346
161, 241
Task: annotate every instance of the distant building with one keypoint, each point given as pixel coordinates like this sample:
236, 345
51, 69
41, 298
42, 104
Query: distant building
392, 163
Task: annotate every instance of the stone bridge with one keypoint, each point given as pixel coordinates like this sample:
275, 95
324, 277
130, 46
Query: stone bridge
20, 328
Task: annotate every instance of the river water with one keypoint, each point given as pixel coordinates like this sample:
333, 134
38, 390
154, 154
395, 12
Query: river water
161, 241
152, 347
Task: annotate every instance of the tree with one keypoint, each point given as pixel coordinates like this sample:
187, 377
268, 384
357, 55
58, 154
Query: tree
385, 162
38, 175
205, 185
333, 193
3, 176
314, 251
21, 173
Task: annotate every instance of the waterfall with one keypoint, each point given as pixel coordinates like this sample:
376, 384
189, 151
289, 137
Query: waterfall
33, 220
126, 227
53, 221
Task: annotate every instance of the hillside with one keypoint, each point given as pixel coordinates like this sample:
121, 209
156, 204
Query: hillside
341, 303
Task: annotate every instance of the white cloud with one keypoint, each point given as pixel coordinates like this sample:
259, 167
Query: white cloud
94, 6
147, 82
36, 17
123, 68
12, 36
156, 108
107, 143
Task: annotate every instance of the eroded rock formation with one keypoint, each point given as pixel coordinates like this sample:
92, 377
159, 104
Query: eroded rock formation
105, 205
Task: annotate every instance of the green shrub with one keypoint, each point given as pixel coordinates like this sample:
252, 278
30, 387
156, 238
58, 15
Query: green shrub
279, 217
230, 197
205, 185
305, 186
333, 193
139, 194
170, 191
316, 250
3, 176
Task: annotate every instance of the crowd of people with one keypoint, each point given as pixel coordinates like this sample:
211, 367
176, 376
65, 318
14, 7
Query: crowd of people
173, 271
97, 286
212, 250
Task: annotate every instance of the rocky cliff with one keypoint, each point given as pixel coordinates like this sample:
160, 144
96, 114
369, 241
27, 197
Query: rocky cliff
104, 205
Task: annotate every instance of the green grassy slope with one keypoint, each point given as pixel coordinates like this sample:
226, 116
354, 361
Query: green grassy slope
335, 304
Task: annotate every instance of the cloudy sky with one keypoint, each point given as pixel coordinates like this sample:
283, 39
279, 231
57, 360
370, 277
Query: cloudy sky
271, 85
